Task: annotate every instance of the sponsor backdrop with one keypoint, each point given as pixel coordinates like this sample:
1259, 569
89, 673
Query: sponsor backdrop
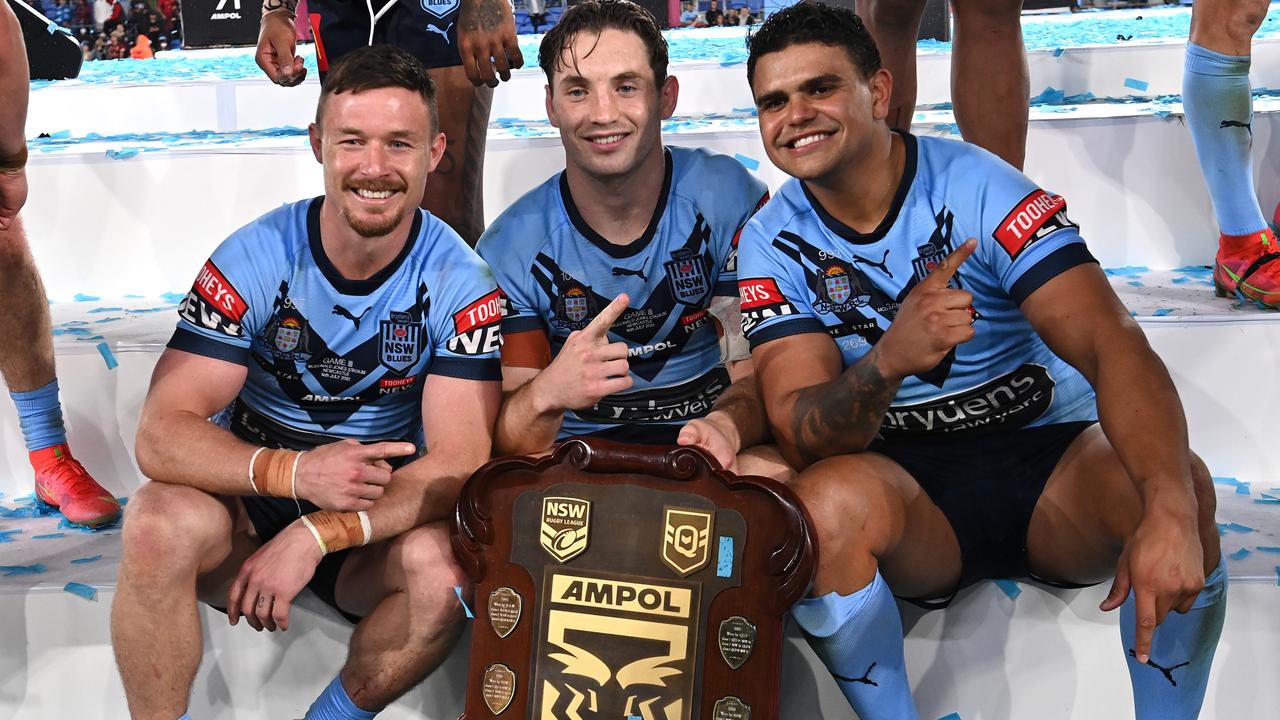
217, 23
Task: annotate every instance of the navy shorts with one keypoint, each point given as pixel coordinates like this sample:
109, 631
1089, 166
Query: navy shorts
987, 486
427, 29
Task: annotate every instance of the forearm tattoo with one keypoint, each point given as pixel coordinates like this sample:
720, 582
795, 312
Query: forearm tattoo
482, 15
842, 416
289, 6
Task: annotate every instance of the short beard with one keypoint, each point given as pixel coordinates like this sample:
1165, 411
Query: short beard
376, 227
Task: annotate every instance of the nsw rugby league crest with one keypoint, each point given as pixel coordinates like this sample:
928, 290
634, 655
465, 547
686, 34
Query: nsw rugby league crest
687, 275
439, 8
399, 341
574, 307
839, 288
287, 336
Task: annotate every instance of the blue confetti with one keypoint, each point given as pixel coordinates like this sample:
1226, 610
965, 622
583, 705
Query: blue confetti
79, 297
48, 536
1127, 270
1136, 283
123, 153
1266, 500
98, 310
104, 321
1181, 279
107, 356
1217, 480
1194, 270
1240, 554
1237, 527
12, 570
174, 298
6, 536
1242, 488
458, 591
87, 592
1009, 587
1139, 85
724, 565
1269, 549
1278, 575
749, 162
952, 716
86, 560
1163, 312
134, 297
1057, 52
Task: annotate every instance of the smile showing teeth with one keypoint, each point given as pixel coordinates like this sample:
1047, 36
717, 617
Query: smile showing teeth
809, 140
373, 194
607, 139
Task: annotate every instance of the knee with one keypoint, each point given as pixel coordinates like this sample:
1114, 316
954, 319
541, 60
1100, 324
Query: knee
14, 250
168, 527
851, 504
430, 571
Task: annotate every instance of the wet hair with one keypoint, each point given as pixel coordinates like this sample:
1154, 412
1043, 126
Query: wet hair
596, 16
814, 22
375, 67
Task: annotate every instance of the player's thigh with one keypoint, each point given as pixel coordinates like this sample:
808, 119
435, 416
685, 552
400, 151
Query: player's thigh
213, 584
766, 461
987, 13
454, 189
417, 561
177, 527
1227, 26
867, 508
893, 17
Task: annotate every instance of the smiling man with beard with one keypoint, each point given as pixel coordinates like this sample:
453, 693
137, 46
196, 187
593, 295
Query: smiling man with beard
343, 335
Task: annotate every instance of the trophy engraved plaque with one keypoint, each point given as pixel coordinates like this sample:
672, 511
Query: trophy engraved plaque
628, 582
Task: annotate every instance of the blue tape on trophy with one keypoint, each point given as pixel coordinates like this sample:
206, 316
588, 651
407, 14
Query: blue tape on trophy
458, 591
724, 565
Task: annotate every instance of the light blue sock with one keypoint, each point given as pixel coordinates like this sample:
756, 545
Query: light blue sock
185, 716
335, 704
40, 415
1171, 686
1219, 110
859, 638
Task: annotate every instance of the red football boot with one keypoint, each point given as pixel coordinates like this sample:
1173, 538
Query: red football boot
1248, 264
62, 482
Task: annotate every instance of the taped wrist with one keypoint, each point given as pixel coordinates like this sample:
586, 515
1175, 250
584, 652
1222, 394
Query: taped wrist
287, 6
336, 531
17, 161
274, 473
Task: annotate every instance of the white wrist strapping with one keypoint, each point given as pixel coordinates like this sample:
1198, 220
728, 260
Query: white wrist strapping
252, 459
315, 534
365, 526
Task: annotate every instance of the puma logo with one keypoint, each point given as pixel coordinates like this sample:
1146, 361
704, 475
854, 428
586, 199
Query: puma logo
883, 267
343, 312
1167, 672
619, 271
865, 679
1236, 123
442, 33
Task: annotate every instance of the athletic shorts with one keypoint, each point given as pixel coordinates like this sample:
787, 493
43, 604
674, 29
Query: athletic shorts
987, 486
270, 515
427, 29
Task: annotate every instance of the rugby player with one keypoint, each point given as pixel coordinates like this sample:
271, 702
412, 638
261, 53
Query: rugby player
940, 353
615, 269
1219, 109
468, 44
26, 345
354, 340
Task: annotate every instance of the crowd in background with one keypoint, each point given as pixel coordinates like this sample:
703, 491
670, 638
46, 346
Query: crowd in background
112, 29
711, 14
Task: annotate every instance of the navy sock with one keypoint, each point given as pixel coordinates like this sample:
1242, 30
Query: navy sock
859, 638
1219, 111
1171, 686
335, 704
40, 415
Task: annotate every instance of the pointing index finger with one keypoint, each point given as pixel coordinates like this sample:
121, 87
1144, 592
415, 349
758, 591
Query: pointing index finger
942, 274
599, 326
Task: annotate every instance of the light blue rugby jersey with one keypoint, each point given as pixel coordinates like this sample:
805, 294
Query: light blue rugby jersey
557, 274
341, 357
804, 271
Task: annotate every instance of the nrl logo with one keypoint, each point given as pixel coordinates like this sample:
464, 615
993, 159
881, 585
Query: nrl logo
685, 539
566, 527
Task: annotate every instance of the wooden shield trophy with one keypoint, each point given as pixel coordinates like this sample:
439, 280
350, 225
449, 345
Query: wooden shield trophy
621, 582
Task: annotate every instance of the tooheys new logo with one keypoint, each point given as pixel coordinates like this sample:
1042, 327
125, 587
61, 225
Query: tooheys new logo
476, 327
1010, 401
213, 303
1034, 217
761, 300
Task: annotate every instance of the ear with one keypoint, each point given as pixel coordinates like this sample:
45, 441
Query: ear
551, 113
438, 144
670, 94
313, 132
881, 86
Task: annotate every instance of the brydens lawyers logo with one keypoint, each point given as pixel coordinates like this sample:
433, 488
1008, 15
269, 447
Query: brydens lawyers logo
1034, 217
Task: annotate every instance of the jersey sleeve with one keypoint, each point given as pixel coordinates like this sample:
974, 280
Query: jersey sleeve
519, 310
738, 195
1026, 238
230, 300
773, 300
465, 320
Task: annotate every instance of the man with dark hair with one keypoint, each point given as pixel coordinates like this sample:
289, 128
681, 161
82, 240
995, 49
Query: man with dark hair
26, 346
343, 335
940, 392
468, 44
990, 86
618, 271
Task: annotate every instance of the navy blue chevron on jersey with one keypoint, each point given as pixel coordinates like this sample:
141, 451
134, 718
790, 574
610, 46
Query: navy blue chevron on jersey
339, 357
557, 274
803, 271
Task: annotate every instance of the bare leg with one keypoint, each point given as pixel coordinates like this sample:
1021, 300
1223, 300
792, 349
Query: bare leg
455, 188
765, 460
895, 25
1227, 26
412, 618
990, 85
26, 343
172, 535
